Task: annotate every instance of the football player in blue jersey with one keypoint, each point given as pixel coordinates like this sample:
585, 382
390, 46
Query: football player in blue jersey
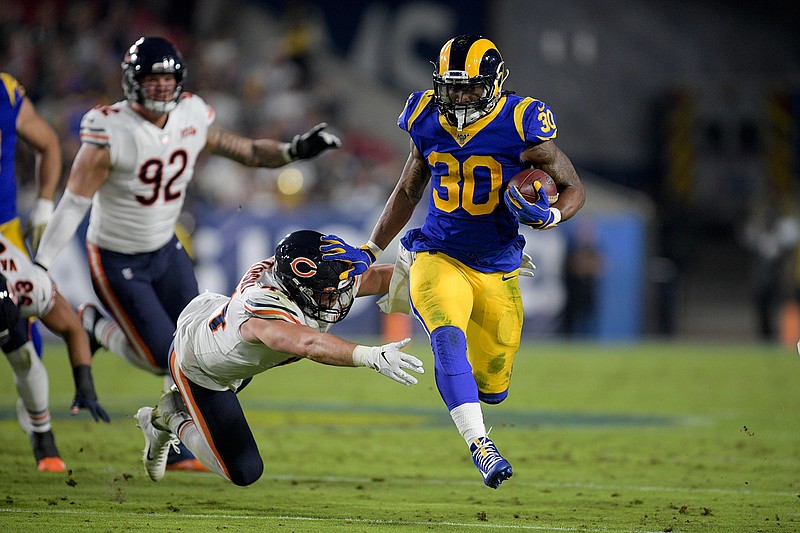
468, 138
19, 120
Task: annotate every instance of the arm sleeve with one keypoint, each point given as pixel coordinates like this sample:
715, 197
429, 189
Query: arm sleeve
67, 217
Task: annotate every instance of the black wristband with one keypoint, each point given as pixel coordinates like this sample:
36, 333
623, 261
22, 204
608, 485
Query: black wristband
84, 385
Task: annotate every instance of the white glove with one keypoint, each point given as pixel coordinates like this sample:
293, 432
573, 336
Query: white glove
526, 267
40, 215
389, 361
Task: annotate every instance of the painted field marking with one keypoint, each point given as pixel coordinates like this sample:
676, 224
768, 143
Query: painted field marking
318, 519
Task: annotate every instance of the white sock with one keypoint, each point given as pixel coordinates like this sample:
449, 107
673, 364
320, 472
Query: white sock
168, 382
112, 337
468, 418
190, 436
30, 378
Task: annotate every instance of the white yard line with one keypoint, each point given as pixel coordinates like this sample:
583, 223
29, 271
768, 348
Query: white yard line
427, 524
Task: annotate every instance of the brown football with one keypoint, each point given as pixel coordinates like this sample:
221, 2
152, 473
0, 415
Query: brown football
524, 182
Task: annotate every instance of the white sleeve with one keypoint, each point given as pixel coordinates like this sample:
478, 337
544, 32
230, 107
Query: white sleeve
66, 218
271, 304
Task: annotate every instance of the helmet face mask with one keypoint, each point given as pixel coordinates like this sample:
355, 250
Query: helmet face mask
9, 309
312, 283
152, 56
468, 79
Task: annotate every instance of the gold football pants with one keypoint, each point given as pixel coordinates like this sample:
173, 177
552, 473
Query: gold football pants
486, 307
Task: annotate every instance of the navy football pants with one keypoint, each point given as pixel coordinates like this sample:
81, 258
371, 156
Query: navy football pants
145, 293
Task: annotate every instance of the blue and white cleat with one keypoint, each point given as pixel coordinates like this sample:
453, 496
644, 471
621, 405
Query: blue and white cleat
492, 466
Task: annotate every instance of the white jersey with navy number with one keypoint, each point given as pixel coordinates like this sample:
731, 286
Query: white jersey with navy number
136, 208
208, 344
32, 285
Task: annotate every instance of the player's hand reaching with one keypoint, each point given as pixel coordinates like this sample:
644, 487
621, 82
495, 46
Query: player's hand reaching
40, 215
92, 405
389, 361
538, 214
335, 249
85, 396
312, 142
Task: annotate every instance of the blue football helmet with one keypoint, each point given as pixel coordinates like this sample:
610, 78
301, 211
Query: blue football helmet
468, 63
152, 55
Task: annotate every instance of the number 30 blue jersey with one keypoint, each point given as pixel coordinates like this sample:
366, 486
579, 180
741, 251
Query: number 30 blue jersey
467, 218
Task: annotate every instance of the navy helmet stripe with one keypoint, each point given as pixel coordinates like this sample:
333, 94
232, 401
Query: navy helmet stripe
458, 56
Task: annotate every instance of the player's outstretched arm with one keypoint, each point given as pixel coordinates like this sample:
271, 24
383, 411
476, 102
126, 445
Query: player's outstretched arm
89, 170
64, 321
302, 341
268, 152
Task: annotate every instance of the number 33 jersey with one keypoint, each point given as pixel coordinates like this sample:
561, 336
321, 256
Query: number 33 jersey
32, 285
136, 208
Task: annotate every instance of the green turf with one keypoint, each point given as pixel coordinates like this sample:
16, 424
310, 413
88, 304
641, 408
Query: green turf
641, 438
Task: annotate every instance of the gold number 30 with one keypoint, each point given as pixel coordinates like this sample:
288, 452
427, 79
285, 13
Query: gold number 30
464, 195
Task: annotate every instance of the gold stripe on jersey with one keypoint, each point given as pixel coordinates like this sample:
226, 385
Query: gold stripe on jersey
469, 131
424, 101
519, 112
11, 84
12, 230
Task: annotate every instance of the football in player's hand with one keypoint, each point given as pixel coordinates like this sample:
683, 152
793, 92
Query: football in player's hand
524, 182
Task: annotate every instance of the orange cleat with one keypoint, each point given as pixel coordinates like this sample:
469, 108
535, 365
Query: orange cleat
187, 465
52, 464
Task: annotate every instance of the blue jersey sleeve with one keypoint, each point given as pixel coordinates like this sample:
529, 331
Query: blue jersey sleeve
539, 122
416, 103
11, 98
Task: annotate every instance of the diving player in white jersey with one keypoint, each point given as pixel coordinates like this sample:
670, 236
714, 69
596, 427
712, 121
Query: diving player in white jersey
134, 164
278, 314
27, 291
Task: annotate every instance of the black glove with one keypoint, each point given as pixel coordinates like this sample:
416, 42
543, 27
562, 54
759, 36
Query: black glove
85, 397
312, 142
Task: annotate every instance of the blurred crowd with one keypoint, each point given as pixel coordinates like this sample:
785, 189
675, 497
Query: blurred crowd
266, 68
261, 72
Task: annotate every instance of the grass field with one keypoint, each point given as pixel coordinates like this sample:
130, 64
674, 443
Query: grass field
641, 438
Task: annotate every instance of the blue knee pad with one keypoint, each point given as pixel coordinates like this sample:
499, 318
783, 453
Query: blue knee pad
450, 350
454, 377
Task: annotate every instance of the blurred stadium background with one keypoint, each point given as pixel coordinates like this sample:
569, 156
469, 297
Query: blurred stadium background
681, 117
